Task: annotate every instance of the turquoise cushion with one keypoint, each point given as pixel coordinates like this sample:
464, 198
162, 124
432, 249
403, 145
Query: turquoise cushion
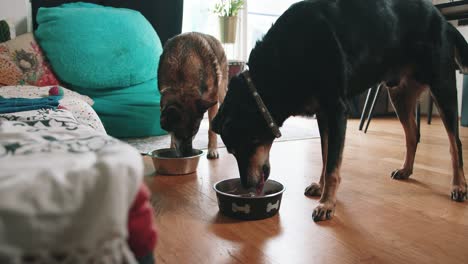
137, 117
100, 47
110, 54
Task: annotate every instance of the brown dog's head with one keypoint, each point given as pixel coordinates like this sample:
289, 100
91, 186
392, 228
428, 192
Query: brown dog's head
181, 114
188, 81
245, 133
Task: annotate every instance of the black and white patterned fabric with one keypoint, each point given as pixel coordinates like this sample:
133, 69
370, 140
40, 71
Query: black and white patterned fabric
65, 188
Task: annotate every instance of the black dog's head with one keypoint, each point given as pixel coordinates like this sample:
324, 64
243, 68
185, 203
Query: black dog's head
245, 133
181, 114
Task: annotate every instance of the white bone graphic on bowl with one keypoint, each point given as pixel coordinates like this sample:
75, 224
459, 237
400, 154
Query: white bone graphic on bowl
245, 208
271, 206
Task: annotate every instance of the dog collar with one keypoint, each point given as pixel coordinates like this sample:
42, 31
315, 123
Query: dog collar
263, 109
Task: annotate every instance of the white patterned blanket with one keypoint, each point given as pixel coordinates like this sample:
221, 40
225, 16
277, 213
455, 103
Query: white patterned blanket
65, 190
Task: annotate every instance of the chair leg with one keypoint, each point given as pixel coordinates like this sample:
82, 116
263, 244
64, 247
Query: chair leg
364, 109
429, 109
371, 110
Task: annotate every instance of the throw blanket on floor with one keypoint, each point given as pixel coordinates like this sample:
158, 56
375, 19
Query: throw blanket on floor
78, 105
65, 189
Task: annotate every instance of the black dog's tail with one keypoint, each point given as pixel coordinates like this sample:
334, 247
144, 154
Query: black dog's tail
461, 48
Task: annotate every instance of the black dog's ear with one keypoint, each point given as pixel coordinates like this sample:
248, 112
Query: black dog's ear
169, 117
203, 105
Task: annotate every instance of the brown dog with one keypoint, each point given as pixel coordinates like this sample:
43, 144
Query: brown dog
192, 78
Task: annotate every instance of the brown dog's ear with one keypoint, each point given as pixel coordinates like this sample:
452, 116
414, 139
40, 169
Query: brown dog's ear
203, 105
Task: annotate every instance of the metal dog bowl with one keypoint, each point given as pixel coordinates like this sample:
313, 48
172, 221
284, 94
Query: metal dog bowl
234, 201
167, 162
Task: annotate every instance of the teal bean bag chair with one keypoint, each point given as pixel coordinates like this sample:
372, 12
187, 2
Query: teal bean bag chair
110, 54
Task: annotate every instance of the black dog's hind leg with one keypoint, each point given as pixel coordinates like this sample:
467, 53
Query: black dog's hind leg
335, 120
315, 189
404, 98
445, 97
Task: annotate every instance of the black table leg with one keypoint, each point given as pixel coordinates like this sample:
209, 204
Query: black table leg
371, 110
429, 109
364, 109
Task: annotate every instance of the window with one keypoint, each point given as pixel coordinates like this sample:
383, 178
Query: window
255, 20
261, 15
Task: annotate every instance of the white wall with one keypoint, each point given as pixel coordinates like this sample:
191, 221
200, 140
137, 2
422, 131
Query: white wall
16, 11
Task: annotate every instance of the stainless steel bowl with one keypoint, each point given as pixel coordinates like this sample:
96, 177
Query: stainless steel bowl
167, 162
234, 201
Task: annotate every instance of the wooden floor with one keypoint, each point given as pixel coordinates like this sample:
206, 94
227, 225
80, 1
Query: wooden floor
378, 220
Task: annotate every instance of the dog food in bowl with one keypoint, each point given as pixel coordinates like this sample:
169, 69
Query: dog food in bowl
240, 191
168, 162
237, 202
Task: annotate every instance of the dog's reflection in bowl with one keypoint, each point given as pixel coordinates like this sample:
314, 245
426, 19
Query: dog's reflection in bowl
168, 161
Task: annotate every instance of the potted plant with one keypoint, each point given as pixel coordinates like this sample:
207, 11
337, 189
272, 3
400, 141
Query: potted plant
227, 11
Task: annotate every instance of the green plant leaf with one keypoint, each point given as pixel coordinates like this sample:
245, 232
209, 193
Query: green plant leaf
228, 7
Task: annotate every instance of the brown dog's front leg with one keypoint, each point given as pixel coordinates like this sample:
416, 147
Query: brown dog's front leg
315, 189
212, 138
336, 127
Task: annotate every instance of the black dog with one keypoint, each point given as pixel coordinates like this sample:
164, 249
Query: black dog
320, 52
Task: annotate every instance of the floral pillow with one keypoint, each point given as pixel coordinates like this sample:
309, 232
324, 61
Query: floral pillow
23, 63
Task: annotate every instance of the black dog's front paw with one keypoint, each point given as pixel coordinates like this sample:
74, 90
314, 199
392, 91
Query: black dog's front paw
212, 154
401, 174
459, 194
313, 190
324, 211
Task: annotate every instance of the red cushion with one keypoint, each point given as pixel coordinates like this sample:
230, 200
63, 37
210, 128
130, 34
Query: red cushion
141, 228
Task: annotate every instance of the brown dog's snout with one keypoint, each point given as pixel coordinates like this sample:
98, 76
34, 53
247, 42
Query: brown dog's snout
164, 123
169, 117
